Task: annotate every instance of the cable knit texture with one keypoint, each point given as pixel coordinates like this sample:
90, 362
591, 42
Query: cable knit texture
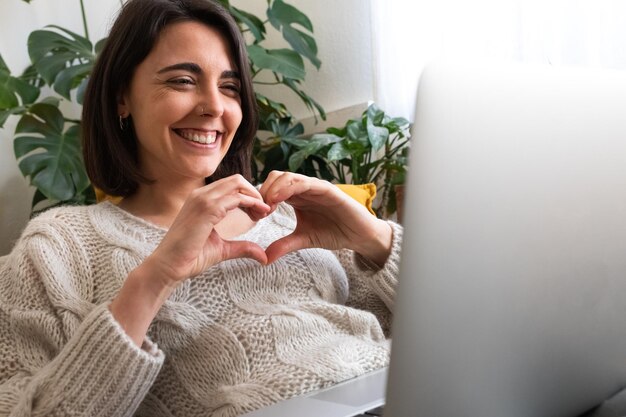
233, 339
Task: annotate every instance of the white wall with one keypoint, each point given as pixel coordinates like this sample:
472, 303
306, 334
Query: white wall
342, 30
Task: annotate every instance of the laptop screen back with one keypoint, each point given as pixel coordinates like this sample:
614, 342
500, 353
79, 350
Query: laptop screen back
512, 296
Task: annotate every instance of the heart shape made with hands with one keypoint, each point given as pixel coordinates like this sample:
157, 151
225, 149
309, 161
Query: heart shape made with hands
326, 217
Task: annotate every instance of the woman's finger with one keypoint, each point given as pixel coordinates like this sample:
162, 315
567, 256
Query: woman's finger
289, 184
233, 183
285, 245
243, 249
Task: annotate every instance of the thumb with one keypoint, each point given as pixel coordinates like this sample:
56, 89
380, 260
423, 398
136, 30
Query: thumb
283, 246
244, 249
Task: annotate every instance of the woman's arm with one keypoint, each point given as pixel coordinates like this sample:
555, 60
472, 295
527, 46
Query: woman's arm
190, 246
58, 354
371, 287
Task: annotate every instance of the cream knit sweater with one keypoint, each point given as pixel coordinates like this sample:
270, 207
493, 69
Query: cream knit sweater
236, 338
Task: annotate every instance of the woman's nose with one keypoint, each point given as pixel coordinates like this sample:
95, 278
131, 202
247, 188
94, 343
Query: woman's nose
212, 104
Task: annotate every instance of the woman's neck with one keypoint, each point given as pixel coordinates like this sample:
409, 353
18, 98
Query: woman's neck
157, 203
160, 205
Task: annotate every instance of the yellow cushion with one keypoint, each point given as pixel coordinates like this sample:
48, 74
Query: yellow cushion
363, 193
102, 196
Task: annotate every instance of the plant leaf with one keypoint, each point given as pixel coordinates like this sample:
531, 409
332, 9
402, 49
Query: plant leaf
70, 78
14, 91
283, 14
100, 45
356, 132
297, 142
256, 26
306, 99
52, 52
377, 135
296, 160
303, 44
338, 151
298, 157
375, 114
48, 155
325, 138
281, 61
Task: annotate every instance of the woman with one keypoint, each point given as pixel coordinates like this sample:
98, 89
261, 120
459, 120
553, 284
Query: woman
198, 294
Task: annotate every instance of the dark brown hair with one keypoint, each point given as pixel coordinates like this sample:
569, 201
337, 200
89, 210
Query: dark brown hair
110, 153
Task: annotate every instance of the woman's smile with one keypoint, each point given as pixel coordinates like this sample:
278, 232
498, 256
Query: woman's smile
203, 137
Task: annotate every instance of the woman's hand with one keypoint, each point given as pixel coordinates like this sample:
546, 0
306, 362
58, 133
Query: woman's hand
192, 244
326, 218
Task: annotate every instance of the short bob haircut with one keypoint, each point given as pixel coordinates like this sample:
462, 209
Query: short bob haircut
110, 152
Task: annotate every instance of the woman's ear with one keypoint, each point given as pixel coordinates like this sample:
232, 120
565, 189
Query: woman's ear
122, 106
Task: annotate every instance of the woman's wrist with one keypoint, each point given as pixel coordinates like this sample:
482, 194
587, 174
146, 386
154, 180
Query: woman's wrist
139, 300
377, 247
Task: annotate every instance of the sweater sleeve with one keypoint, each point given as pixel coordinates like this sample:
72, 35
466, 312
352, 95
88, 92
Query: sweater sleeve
54, 362
372, 288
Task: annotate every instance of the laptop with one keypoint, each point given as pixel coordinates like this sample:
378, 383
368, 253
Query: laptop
512, 294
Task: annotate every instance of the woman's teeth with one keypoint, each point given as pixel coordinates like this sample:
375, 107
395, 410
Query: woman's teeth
205, 138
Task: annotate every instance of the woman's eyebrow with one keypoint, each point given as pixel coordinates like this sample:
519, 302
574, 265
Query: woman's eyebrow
230, 74
195, 68
187, 66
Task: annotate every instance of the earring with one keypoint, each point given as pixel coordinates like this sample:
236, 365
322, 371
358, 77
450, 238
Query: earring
121, 123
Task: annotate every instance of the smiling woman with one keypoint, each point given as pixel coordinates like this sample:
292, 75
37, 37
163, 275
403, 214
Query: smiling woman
199, 294
185, 106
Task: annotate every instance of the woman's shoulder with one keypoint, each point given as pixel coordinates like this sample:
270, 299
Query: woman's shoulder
78, 223
51, 218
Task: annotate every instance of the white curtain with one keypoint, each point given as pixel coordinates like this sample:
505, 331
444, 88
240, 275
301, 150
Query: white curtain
407, 34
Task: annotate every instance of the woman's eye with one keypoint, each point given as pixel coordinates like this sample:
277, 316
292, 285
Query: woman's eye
233, 88
182, 81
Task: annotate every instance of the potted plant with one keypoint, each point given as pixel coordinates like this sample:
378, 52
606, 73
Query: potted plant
370, 149
46, 139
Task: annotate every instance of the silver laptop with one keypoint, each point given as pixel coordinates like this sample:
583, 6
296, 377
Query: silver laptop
512, 298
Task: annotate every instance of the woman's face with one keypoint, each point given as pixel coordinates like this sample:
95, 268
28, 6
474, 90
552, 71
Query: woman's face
185, 104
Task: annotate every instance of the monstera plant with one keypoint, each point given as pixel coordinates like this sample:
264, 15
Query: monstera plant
46, 140
370, 149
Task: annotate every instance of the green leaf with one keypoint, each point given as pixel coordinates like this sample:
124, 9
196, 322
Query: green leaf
100, 45
338, 152
377, 135
303, 44
48, 155
256, 26
297, 142
70, 78
80, 91
5, 114
50, 66
313, 145
306, 99
283, 14
281, 61
14, 91
32, 77
356, 132
324, 139
375, 114
52, 51
41, 42
269, 109
297, 159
